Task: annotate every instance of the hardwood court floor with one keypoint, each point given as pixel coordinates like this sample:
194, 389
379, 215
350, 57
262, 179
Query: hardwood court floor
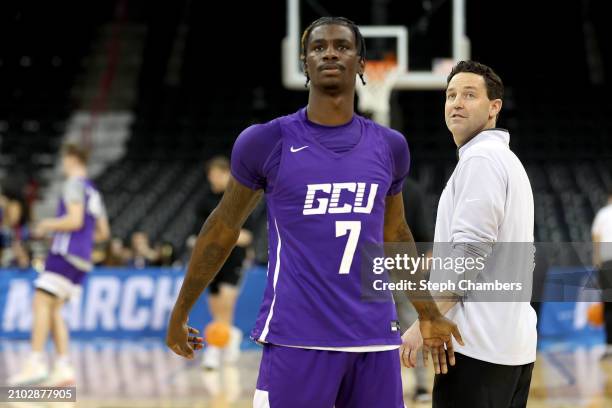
120, 374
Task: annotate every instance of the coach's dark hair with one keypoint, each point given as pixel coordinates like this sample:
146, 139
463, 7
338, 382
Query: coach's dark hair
218, 162
74, 150
359, 41
494, 84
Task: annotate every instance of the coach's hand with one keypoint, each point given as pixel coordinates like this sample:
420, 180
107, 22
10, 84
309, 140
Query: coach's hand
412, 341
438, 333
182, 340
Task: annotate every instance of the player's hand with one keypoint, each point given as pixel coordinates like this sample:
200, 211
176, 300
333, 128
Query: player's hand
41, 229
438, 333
412, 341
182, 339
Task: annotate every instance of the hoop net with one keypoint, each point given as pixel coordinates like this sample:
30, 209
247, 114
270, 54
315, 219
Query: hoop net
380, 76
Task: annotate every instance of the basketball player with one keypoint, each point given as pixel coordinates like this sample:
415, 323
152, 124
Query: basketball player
224, 288
81, 219
601, 232
332, 181
487, 201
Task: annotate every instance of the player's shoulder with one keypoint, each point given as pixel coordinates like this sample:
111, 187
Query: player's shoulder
268, 133
74, 182
393, 138
606, 211
91, 185
260, 130
260, 134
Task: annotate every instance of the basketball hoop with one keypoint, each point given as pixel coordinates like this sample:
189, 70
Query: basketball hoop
380, 76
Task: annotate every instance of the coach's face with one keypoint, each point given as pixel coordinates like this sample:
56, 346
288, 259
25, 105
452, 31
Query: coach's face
468, 109
332, 59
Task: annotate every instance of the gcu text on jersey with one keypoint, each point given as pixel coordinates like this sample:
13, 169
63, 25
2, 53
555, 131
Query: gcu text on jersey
328, 197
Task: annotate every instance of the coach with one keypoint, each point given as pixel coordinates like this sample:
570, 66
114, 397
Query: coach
487, 202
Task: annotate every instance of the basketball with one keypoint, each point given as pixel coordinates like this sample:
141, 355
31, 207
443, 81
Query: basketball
595, 315
217, 334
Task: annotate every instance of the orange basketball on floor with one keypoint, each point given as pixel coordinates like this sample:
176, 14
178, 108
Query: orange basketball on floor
217, 334
595, 314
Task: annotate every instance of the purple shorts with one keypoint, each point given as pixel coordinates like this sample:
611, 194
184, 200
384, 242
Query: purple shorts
304, 378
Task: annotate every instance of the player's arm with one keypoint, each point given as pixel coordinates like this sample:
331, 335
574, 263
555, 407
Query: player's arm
596, 250
397, 230
596, 238
72, 221
215, 241
102, 232
74, 197
436, 330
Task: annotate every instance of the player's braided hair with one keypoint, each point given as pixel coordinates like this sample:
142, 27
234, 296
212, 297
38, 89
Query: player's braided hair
359, 41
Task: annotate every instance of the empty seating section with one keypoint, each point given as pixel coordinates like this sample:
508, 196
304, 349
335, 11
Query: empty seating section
190, 110
36, 74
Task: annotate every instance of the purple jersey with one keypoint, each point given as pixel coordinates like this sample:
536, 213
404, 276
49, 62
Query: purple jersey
76, 246
324, 201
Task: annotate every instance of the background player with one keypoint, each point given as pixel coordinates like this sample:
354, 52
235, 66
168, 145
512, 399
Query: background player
224, 287
332, 181
601, 233
81, 220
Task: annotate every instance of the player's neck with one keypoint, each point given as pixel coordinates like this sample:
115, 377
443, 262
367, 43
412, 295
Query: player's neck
81, 173
330, 110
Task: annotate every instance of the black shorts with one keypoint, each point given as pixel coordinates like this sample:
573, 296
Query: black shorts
605, 283
230, 274
472, 383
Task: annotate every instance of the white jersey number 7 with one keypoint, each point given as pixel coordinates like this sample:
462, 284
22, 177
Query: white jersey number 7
354, 229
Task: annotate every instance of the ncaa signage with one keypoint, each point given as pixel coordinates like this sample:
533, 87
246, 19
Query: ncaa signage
120, 302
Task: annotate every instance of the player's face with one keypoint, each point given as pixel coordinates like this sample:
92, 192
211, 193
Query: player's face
332, 61
13, 212
140, 241
68, 162
468, 109
218, 179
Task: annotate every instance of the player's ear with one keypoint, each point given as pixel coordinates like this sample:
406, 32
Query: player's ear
361, 66
305, 68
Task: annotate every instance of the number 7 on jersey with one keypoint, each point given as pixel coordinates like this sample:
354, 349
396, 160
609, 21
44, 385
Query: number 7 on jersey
353, 228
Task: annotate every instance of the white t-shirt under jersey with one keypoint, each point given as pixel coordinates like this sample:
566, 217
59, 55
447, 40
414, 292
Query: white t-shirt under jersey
488, 199
602, 226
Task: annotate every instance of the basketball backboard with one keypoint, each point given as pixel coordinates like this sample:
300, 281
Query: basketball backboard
435, 78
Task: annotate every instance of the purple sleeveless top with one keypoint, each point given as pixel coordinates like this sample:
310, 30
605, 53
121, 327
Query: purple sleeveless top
325, 191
